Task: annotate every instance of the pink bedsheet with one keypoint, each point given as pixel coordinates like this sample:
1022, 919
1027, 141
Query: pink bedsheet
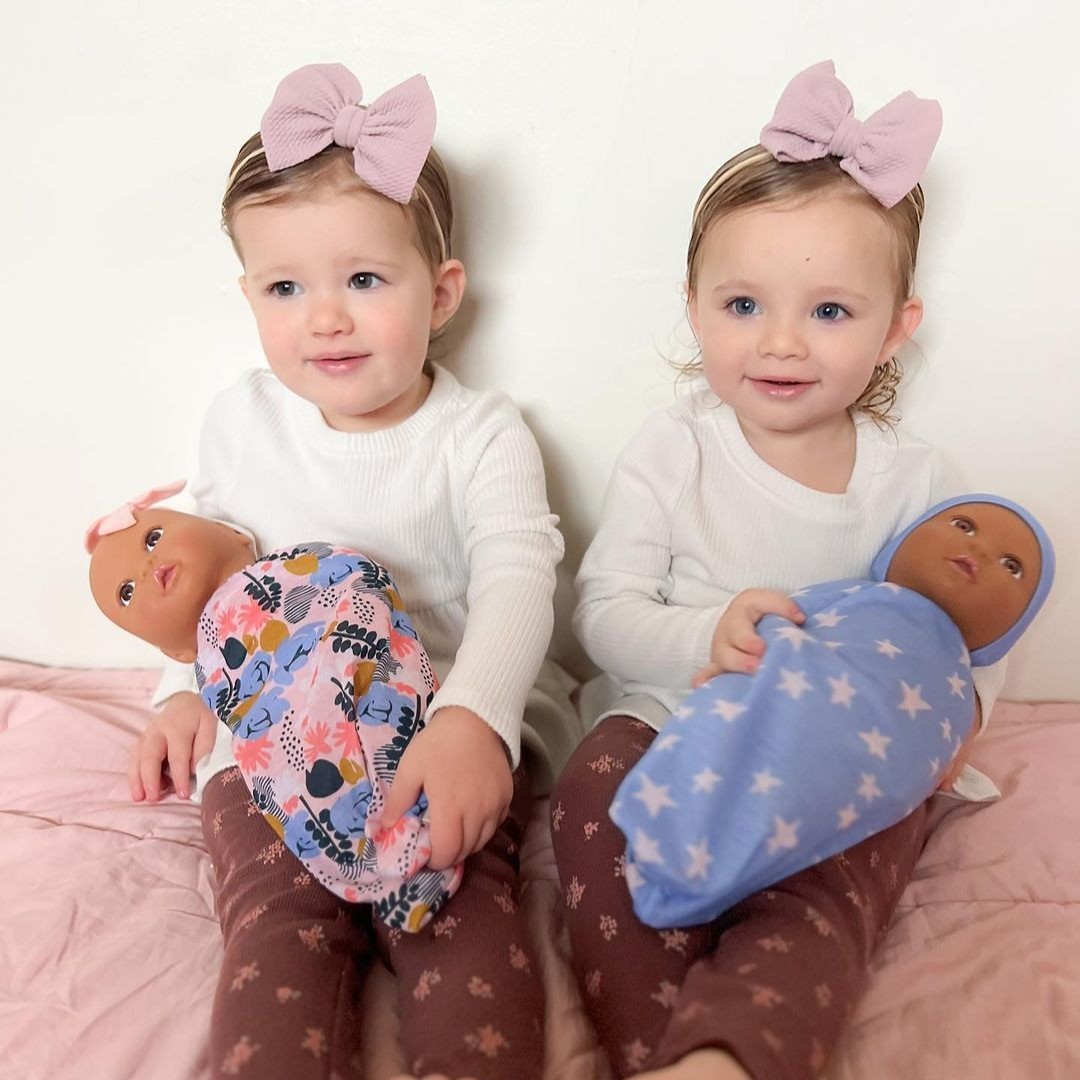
109, 945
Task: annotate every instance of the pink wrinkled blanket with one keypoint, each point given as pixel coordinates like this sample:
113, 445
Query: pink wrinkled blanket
110, 946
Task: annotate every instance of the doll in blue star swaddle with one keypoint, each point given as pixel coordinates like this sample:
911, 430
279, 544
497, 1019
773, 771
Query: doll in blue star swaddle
850, 721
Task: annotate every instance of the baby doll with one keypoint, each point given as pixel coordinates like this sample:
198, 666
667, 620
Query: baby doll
848, 724
307, 657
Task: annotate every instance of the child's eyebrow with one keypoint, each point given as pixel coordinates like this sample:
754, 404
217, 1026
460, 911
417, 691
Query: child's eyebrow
839, 290
274, 272
742, 285
734, 284
284, 270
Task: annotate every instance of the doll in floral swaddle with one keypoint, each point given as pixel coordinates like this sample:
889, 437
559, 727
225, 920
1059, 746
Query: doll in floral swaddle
307, 656
848, 724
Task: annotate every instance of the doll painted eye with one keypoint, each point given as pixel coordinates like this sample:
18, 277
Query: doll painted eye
1013, 566
152, 538
125, 593
963, 524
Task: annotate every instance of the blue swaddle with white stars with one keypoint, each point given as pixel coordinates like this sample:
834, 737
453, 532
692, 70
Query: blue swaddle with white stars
847, 725
845, 728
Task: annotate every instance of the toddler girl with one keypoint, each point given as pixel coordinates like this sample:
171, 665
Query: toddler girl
779, 472
341, 217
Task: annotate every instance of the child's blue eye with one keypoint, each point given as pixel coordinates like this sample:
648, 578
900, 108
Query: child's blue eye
744, 305
364, 280
284, 289
829, 312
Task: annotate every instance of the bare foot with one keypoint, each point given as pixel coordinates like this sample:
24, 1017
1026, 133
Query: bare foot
701, 1065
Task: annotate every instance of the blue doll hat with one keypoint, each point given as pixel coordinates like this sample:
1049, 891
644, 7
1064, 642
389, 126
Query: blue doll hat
988, 654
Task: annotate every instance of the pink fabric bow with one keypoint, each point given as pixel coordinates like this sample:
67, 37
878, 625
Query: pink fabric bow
318, 105
124, 517
886, 154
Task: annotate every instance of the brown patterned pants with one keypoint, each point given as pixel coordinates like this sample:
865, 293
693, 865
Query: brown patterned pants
470, 997
772, 981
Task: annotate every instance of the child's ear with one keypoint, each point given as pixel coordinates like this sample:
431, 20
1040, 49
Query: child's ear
242, 282
450, 282
905, 323
183, 656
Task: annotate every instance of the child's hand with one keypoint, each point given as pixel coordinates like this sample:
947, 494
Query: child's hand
736, 645
179, 735
462, 766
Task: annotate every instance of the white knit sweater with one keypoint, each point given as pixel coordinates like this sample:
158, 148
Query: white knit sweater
693, 516
451, 501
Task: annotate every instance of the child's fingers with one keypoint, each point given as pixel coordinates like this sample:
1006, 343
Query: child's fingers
152, 756
703, 675
761, 602
471, 833
204, 739
746, 639
486, 833
736, 660
446, 845
179, 753
404, 791
135, 784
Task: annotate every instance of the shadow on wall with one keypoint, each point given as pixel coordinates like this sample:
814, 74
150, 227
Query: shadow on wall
479, 195
484, 194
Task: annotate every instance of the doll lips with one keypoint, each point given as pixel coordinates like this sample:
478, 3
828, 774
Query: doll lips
339, 363
967, 566
781, 389
164, 576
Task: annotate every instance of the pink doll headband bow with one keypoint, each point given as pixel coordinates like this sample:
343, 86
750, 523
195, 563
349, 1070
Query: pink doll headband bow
318, 105
124, 517
886, 154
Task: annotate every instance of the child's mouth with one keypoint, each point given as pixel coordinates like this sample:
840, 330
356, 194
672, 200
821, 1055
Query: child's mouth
339, 363
780, 388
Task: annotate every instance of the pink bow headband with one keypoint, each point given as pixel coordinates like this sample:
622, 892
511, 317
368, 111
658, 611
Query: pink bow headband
124, 516
319, 104
885, 154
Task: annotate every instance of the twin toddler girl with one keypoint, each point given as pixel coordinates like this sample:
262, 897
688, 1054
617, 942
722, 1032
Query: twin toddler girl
779, 469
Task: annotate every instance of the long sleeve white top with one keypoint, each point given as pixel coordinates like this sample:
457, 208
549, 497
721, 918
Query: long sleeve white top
452, 501
693, 516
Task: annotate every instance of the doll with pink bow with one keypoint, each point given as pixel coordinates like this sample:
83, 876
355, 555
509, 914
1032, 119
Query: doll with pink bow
341, 214
780, 468
308, 658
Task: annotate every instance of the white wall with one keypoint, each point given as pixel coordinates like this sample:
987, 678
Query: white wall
579, 135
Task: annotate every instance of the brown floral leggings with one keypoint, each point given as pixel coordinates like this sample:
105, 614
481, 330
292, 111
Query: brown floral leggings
772, 981
470, 997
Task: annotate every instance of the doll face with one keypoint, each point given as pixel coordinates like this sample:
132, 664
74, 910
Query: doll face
980, 562
154, 578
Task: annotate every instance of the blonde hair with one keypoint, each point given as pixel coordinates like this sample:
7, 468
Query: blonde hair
755, 178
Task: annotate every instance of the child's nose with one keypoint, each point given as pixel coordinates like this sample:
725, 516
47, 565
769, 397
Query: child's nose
330, 315
780, 338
